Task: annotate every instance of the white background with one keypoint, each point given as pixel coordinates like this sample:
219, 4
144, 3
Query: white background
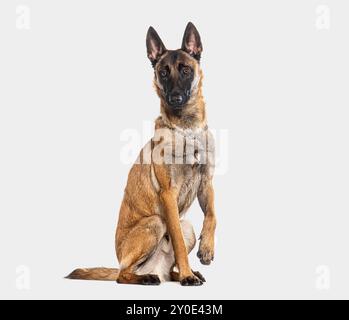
79, 77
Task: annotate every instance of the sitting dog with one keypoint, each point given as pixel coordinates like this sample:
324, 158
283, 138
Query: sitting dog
152, 238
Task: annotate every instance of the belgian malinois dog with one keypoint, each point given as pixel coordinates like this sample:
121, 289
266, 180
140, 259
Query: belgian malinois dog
152, 238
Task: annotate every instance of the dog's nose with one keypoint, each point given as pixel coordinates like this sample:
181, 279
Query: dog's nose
176, 99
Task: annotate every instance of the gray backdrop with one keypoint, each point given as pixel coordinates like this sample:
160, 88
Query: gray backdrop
75, 85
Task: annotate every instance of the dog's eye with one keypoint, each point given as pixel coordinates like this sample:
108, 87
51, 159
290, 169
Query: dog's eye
163, 73
186, 70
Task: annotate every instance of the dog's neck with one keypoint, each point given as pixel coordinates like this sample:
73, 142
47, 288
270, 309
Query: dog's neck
193, 115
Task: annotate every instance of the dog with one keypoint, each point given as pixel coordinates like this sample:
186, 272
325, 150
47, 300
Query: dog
153, 239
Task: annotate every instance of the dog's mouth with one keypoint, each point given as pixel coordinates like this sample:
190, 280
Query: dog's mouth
176, 106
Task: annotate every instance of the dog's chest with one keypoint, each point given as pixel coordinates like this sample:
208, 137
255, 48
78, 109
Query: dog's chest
188, 187
188, 156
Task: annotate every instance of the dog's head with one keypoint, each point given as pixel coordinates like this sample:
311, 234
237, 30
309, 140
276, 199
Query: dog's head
177, 72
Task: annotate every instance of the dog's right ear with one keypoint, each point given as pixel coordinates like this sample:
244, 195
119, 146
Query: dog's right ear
155, 47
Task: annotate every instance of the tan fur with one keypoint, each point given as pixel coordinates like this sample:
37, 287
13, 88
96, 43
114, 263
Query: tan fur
102, 274
151, 236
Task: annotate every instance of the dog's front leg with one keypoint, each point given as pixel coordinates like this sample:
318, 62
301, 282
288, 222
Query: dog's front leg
168, 198
206, 200
186, 276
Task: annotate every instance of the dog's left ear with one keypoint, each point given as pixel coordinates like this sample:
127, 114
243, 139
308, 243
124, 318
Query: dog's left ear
191, 41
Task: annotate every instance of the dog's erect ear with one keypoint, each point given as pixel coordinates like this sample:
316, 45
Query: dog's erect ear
155, 47
192, 42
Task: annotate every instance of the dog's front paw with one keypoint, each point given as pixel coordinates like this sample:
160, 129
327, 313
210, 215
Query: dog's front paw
205, 253
191, 280
150, 280
200, 276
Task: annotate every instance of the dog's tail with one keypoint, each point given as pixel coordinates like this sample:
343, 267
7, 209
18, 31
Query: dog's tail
101, 274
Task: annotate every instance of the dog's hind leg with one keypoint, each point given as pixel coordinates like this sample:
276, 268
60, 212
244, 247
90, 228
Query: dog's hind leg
137, 247
162, 261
